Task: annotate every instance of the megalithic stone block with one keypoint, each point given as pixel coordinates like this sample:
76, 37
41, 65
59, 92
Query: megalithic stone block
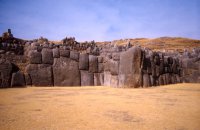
98, 79
41, 74
35, 57
66, 72
130, 73
18, 80
87, 79
47, 56
146, 80
84, 62
56, 53
93, 64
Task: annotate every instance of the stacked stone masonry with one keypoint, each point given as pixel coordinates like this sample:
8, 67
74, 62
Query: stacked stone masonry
116, 66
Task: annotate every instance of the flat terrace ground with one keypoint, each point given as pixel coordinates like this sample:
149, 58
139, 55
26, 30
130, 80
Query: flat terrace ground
172, 107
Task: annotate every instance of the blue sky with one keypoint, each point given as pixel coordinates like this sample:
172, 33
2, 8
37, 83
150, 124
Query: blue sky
100, 20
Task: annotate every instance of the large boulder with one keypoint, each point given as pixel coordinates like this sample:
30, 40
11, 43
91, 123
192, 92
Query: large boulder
93, 64
5, 73
35, 57
41, 74
130, 73
84, 62
47, 56
66, 72
18, 80
87, 79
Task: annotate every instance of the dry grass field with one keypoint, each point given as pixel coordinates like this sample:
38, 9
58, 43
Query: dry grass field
159, 44
172, 107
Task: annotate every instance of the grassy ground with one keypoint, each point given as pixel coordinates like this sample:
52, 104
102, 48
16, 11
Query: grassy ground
172, 107
159, 44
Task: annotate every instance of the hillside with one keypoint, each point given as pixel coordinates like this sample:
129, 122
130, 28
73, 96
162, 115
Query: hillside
168, 43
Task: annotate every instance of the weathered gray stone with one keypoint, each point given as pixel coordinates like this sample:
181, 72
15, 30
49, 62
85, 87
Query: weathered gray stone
87, 79
47, 56
107, 78
116, 56
18, 80
114, 67
66, 72
56, 53
114, 81
35, 57
157, 71
166, 78
98, 79
74, 55
152, 80
161, 80
107, 65
5, 73
130, 73
41, 74
146, 80
64, 53
100, 59
100, 67
28, 79
84, 62
93, 64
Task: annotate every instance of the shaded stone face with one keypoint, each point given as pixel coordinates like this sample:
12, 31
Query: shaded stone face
98, 79
5, 74
93, 64
130, 74
84, 62
74, 55
35, 57
28, 79
114, 67
47, 56
18, 80
41, 74
87, 79
56, 53
66, 72
64, 53
146, 80
107, 78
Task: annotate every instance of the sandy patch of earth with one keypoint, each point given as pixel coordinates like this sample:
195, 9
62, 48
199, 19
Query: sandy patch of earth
172, 107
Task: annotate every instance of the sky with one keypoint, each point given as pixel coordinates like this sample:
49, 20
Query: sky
100, 20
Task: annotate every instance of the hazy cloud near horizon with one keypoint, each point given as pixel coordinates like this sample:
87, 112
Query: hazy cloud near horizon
100, 20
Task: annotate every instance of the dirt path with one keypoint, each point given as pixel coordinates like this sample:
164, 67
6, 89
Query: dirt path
173, 107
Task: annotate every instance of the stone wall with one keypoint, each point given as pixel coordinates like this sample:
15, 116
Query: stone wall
109, 65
